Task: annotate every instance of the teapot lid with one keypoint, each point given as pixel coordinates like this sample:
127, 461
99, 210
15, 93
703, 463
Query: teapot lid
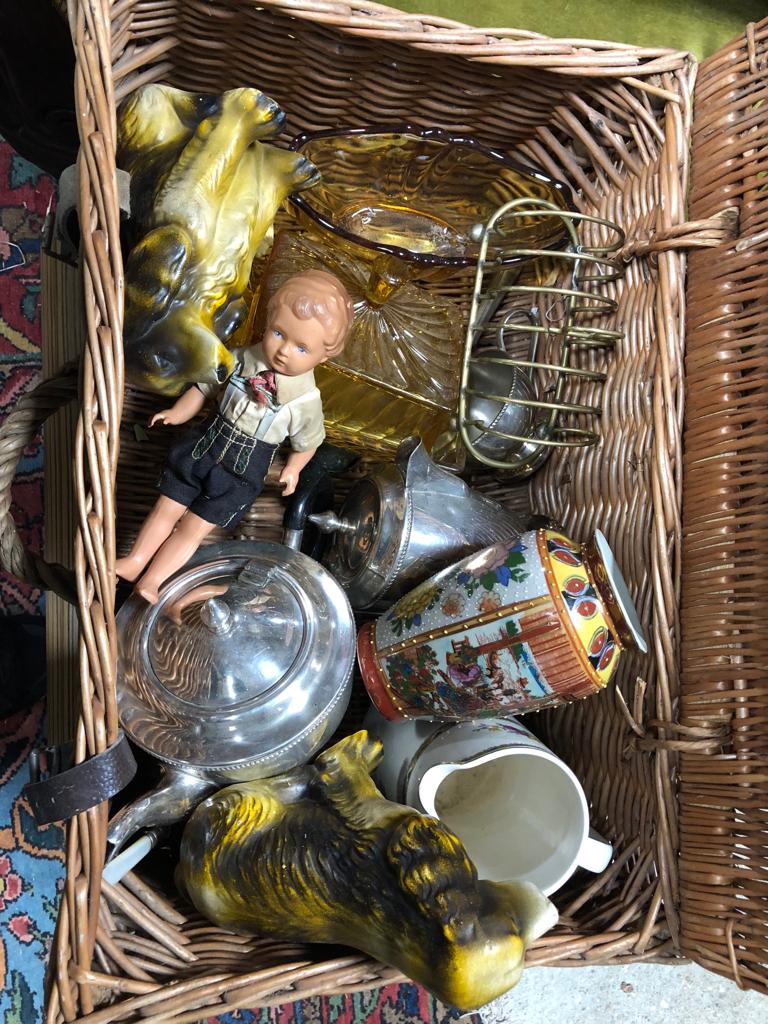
245, 651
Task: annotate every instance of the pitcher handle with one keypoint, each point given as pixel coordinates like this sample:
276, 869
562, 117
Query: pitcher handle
595, 853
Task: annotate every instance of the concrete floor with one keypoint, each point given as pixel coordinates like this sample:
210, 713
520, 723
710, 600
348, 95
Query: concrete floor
636, 994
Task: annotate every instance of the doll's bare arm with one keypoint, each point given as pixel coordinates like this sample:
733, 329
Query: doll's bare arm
293, 467
189, 405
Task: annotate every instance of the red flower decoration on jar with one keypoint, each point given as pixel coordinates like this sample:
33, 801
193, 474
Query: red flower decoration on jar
605, 657
489, 603
10, 883
598, 641
567, 557
452, 604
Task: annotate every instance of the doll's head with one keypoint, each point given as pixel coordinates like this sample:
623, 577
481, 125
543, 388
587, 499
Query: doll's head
308, 319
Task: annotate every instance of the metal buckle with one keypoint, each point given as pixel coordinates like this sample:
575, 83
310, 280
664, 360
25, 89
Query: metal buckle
47, 761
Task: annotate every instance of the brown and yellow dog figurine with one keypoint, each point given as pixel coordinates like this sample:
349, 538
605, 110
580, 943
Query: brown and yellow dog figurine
204, 193
318, 855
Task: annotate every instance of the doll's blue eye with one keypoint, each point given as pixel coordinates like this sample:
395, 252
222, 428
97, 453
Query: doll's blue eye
277, 334
301, 349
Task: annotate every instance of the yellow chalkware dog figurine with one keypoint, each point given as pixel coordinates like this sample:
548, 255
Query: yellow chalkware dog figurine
318, 855
204, 194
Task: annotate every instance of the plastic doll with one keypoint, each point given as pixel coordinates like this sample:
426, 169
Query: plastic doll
213, 476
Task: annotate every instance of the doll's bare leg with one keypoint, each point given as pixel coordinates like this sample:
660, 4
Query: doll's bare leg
155, 530
176, 552
196, 596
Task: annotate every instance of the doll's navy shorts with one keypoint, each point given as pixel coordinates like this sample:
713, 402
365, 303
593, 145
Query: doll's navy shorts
217, 474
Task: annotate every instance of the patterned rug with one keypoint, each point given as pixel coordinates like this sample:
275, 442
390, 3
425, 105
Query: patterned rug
392, 1004
31, 858
25, 192
31, 875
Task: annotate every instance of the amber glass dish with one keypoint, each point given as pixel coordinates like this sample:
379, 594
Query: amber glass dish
417, 194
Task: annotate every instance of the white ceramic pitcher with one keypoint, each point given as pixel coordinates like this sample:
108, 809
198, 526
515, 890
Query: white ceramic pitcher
519, 810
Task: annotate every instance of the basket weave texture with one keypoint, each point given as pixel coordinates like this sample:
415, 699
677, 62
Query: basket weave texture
615, 122
724, 613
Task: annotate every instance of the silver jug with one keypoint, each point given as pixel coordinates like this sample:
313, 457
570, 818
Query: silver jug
403, 523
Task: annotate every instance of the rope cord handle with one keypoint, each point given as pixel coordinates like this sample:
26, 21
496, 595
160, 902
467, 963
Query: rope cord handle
16, 432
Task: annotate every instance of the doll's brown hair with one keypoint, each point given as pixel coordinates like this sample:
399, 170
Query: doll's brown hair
316, 294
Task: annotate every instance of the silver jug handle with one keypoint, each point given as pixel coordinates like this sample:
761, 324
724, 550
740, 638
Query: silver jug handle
174, 797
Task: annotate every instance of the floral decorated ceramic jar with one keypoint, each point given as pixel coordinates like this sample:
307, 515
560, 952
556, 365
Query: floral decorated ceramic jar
516, 627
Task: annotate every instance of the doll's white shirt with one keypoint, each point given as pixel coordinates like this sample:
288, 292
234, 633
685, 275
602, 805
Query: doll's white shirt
300, 413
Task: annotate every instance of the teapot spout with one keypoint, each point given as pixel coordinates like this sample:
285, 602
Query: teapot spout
171, 800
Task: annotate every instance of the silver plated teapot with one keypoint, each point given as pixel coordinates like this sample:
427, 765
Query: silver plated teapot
404, 522
241, 671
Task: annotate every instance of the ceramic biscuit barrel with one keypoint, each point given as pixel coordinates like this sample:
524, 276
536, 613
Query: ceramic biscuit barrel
516, 627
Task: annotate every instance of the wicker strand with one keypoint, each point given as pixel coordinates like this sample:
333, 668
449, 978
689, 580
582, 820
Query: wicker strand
102, 291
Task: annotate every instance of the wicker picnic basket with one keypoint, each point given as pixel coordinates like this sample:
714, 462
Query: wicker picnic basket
674, 757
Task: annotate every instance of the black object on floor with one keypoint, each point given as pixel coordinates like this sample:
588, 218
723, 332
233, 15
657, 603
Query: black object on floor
37, 94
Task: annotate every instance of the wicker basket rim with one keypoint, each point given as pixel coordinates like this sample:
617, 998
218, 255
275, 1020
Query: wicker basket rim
433, 31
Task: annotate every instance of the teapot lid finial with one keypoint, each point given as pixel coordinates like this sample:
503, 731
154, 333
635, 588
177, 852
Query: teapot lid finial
216, 615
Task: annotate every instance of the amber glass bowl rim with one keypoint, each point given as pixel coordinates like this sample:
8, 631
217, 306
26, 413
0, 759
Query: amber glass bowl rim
430, 134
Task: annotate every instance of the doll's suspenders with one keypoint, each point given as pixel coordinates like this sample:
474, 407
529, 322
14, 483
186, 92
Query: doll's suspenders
246, 443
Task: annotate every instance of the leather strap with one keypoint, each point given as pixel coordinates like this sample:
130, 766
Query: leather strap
67, 791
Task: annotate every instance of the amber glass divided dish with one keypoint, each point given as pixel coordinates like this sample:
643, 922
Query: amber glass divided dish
419, 194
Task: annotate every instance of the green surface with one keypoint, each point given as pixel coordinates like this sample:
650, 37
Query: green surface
702, 26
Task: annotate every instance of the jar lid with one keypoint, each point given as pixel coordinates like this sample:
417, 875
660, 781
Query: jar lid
615, 593
247, 649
